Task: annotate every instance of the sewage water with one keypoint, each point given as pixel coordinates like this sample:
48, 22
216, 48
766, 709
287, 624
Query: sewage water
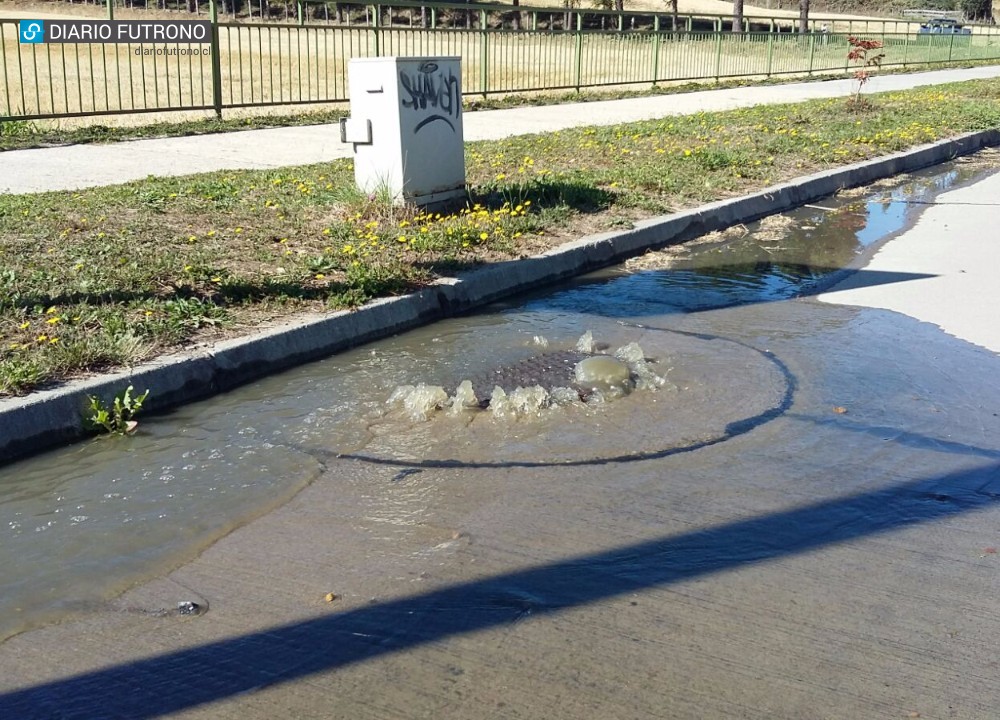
720, 318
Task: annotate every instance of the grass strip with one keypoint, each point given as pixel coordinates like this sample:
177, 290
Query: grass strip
115, 275
28, 134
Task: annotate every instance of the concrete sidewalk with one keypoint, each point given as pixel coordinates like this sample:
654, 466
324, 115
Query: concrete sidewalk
80, 166
951, 253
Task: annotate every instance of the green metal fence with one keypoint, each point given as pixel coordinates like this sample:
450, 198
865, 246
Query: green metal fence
257, 64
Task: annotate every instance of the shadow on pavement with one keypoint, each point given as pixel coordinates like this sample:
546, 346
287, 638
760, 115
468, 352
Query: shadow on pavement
187, 678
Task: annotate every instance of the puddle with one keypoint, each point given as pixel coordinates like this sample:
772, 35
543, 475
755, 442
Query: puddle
80, 524
801, 252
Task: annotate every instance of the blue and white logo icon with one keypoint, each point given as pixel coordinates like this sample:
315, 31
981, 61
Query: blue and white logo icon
31, 31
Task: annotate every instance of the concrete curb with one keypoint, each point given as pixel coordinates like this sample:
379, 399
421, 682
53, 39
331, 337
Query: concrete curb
48, 418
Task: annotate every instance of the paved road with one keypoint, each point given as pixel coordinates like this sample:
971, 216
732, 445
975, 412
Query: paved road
80, 166
824, 565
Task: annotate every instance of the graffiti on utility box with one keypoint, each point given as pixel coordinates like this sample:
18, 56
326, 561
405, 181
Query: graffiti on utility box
433, 88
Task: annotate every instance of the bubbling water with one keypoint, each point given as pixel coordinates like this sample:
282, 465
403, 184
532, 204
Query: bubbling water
586, 342
597, 378
419, 401
643, 375
464, 398
603, 373
523, 401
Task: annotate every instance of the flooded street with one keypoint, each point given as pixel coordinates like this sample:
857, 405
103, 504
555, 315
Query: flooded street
801, 521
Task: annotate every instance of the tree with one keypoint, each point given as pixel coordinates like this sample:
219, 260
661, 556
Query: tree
981, 10
737, 16
672, 6
803, 16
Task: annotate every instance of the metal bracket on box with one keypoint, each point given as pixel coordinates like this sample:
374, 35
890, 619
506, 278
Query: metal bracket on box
356, 131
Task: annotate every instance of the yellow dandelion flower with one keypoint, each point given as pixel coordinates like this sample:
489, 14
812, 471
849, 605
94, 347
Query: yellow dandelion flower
483, 236
53, 320
320, 276
25, 325
53, 341
42, 338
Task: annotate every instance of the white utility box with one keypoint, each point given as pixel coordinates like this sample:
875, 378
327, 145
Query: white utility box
406, 127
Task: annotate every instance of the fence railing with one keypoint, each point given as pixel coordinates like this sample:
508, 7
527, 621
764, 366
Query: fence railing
258, 64
430, 13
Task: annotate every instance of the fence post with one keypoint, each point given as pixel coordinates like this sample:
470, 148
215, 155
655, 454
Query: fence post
216, 60
770, 52
300, 12
951, 46
906, 47
718, 54
656, 48
376, 25
579, 50
484, 76
812, 51
111, 9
